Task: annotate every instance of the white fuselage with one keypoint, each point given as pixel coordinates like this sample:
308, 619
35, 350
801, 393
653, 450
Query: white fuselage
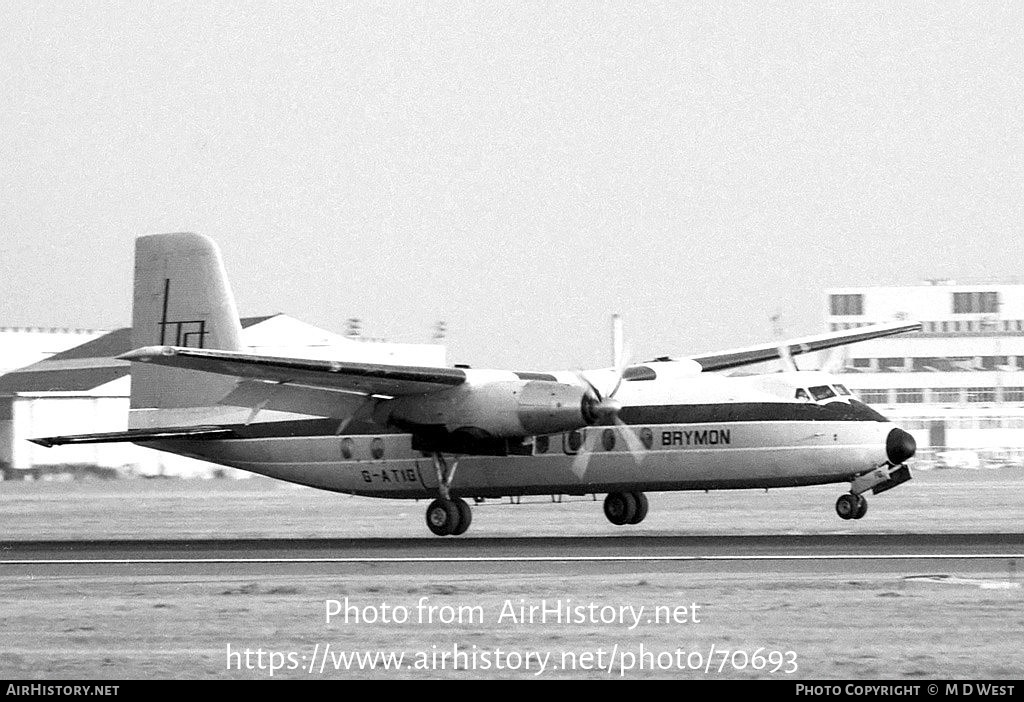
699, 433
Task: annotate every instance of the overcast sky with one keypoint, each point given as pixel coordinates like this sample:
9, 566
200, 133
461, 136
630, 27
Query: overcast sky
520, 170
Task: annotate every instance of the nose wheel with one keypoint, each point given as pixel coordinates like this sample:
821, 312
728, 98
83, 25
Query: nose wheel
850, 506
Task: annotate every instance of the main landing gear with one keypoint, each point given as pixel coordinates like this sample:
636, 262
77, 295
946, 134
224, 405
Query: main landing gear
447, 516
625, 507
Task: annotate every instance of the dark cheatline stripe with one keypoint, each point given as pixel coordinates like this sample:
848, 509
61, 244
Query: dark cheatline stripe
750, 412
647, 414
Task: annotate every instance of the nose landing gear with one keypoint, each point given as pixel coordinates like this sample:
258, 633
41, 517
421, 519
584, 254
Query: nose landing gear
853, 505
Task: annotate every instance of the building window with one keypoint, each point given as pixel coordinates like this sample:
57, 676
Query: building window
874, 396
931, 365
945, 395
906, 396
846, 305
890, 364
993, 362
981, 394
1013, 394
975, 302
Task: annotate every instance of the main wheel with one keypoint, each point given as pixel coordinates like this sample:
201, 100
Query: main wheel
620, 507
443, 517
847, 505
641, 507
465, 517
862, 507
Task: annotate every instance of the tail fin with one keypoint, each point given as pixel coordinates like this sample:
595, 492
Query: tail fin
181, 298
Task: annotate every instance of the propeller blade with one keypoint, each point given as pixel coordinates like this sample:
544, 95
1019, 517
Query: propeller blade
581, 461
787, 359
834, 360
636, 447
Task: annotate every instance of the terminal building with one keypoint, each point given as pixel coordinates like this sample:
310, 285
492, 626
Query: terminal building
958, 384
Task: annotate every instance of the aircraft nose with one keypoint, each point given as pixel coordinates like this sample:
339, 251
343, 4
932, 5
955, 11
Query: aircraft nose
899, 446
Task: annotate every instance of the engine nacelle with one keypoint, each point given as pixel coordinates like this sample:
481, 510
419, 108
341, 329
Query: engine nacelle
497, 409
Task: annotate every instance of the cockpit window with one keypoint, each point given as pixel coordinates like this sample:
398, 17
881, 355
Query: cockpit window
801, 394
822, 392
842, 390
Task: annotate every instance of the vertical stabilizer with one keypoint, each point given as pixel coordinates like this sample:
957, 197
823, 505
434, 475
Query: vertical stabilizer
181, 298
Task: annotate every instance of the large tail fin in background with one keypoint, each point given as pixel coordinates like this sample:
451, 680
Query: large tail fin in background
181, 298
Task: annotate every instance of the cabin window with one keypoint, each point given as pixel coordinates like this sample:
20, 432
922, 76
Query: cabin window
541, 444
639, 373
608, 439
822, 392
573, 440
842, 390
377, 448
347, 448
802, 395
647, 437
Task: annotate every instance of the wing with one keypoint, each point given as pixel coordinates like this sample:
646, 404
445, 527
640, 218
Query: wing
734, 358
360, 378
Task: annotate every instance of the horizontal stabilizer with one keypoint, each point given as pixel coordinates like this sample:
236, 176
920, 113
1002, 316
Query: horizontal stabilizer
134, 435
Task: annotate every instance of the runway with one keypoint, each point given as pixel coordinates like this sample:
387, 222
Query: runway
832, 553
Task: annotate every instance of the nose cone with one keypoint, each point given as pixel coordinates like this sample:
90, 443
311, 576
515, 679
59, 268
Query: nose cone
899, 446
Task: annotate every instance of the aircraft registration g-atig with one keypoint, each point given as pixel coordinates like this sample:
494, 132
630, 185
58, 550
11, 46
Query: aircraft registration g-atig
448, 434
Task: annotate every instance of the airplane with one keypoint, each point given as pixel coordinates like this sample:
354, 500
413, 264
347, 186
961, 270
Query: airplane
448, 434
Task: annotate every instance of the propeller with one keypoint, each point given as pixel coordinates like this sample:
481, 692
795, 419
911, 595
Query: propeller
603, 410
786, 356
